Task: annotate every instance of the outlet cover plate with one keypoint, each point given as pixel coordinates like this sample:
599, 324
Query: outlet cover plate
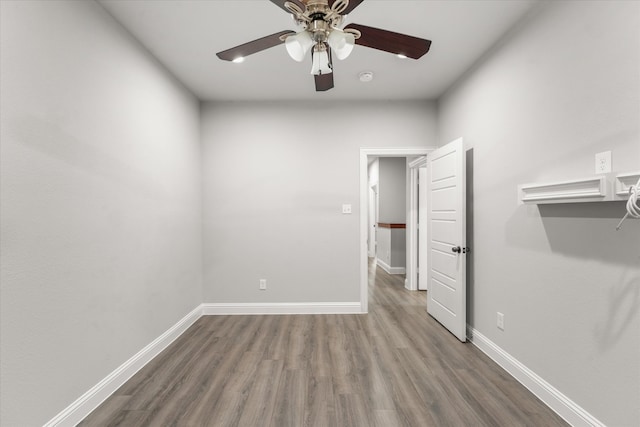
603, 162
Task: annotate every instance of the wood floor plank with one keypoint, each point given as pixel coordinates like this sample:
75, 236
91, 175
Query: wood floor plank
320, 403
110, 410
386, 418
158, 386
290, 401
184, 390
278, 346
489, 403
352, 411
320, 362
420, 416
403, 391
259, 406
395, 366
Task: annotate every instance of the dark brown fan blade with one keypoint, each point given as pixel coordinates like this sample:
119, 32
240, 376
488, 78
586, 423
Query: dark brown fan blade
352, 5
280, 3
388, 41
324, 82
252, 47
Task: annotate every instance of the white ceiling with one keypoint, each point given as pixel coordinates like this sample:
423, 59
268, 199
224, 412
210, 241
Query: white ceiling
185, 35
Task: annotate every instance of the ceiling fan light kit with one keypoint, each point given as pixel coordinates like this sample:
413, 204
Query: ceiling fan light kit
321, 34
321, 63
341, 42
298, 45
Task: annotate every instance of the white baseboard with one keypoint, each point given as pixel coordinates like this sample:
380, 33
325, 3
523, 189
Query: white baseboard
282, 308
89, 401
561, 404
391, 270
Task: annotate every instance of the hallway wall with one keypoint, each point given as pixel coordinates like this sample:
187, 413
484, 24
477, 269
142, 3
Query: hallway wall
562, 87
392, 184
100, 214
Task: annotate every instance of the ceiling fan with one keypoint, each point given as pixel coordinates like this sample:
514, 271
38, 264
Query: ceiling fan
320, 33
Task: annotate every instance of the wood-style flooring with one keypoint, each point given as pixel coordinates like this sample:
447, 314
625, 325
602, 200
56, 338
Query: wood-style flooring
395, 366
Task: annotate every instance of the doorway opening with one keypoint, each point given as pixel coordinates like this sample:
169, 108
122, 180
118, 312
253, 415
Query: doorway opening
370, 196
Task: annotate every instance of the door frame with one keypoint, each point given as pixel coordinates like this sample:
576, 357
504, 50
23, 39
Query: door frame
411, 282
365, 153
372, 239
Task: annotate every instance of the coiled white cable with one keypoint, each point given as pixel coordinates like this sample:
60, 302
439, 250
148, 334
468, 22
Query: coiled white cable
633, 209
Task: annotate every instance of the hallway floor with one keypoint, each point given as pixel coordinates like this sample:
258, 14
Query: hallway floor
395, 366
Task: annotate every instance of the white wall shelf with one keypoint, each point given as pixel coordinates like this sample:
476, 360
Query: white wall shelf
623, 182
602, 188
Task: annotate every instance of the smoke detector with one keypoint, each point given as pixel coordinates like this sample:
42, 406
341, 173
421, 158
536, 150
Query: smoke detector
366, 76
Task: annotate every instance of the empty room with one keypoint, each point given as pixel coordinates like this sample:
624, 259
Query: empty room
319, 213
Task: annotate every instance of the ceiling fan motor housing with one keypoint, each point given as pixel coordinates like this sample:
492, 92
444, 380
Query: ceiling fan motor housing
319, 28
316, 5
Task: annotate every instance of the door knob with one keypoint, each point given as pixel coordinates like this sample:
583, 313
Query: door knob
456, 249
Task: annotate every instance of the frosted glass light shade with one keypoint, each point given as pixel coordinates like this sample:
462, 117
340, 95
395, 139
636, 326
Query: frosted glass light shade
320, 63
298, 45
342, 43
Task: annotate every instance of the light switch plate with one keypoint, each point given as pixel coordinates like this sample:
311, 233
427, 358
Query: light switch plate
603, 162
346, 209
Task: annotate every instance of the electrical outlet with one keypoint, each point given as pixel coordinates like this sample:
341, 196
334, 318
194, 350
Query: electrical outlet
346, 209
603, 162
263, 284
500, 321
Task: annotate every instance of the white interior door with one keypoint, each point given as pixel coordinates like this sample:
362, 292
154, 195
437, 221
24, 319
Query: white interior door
446, 237
423, 283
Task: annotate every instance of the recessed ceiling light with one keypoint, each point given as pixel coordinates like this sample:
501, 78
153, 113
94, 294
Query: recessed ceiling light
401, 56
365, 76
239, 59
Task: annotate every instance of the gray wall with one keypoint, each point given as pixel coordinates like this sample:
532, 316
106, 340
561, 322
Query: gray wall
392, 184
100, 214
383, 249
564, 86
398, 248
273, 190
